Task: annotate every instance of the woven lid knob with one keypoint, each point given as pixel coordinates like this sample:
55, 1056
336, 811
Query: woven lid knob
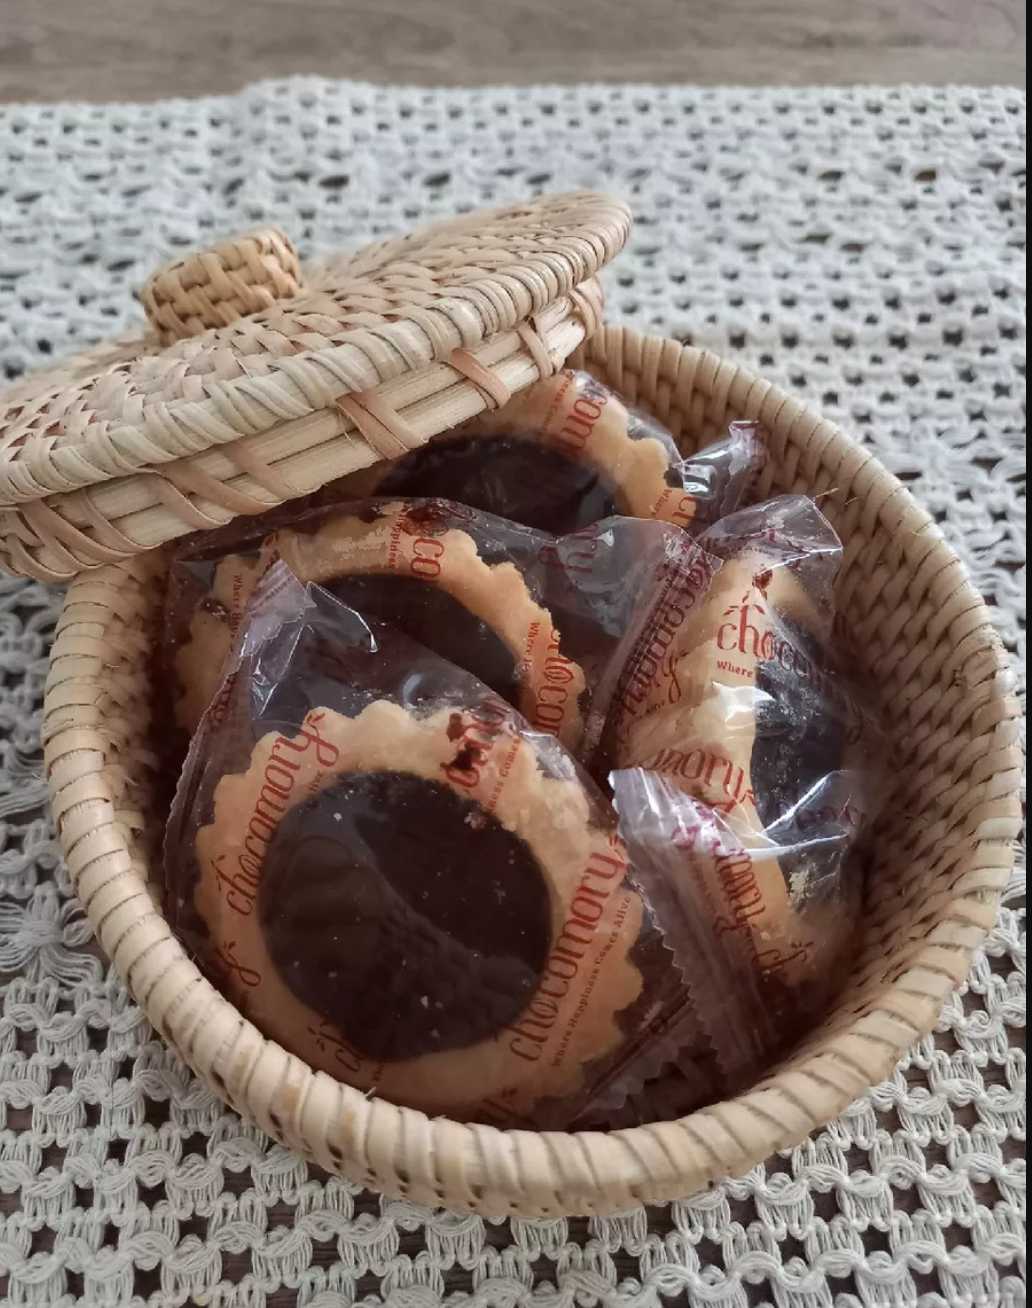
214, 287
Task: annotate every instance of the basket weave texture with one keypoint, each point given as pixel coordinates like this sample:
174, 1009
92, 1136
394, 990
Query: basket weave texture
258, 381
942, 849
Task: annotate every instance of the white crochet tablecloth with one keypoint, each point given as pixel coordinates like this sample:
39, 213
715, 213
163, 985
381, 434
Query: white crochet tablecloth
865, 249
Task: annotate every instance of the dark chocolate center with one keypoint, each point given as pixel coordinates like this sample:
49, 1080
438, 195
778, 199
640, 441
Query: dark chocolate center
404, 914
435, 618
516, 478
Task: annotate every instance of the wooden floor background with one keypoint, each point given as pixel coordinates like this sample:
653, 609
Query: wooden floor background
147, 49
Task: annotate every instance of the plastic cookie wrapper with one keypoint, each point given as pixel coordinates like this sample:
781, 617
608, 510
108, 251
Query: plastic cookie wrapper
747, 768
211, 580
399, 880
744, 681
749, 988
568, 452
543, 621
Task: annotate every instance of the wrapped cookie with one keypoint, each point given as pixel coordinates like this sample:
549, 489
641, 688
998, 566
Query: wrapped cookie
566, 453
391, 874
754, 976
545, 622
413, 566
747, 768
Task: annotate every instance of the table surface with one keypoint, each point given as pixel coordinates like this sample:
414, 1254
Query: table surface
147, 49
862, 248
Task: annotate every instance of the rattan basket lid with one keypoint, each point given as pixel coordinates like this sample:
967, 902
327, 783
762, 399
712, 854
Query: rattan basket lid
257, 381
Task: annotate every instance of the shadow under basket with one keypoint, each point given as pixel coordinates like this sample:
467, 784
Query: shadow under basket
942, 850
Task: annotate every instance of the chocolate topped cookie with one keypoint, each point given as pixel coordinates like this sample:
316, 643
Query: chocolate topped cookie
477, 614
564, 454
407, 565
423, 904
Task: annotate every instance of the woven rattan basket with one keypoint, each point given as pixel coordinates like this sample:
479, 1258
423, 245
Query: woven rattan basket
942, 850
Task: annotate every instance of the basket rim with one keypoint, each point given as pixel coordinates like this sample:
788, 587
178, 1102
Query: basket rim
503, 1173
